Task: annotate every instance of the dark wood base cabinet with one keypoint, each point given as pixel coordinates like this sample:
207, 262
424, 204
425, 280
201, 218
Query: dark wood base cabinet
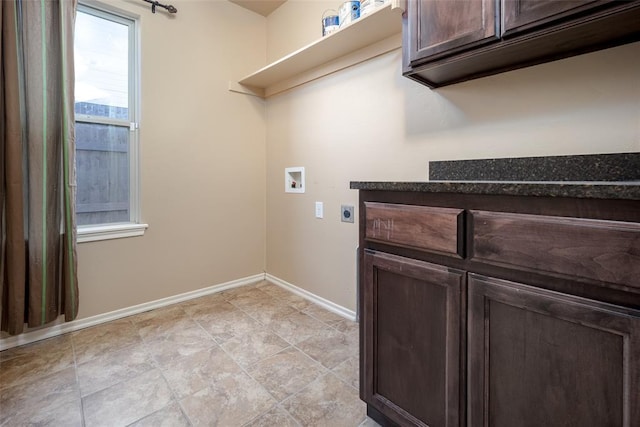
512, 312
539, 358
415, 326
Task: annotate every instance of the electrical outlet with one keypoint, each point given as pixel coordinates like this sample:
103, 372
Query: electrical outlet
346, 214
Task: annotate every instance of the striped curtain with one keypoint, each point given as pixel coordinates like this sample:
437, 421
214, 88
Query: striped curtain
38, 273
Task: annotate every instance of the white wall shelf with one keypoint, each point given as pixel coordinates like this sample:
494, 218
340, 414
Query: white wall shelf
371, 35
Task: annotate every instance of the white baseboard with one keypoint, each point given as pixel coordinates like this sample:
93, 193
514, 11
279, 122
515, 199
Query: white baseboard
331, 306
75, 325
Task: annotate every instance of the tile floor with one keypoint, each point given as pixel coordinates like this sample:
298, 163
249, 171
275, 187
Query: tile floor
251, 356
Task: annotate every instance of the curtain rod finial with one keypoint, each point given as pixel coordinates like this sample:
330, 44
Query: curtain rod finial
155, 3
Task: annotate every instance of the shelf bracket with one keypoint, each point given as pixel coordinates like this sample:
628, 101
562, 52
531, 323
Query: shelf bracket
399, 4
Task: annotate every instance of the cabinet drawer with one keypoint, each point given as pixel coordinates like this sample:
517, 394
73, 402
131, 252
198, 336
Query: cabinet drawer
427, 228
604, 251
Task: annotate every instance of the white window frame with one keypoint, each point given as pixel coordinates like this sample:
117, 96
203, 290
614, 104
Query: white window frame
135, 226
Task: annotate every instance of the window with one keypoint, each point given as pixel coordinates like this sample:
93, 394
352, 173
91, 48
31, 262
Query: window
106, 107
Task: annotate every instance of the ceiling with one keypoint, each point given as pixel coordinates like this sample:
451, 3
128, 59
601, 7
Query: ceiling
262, 7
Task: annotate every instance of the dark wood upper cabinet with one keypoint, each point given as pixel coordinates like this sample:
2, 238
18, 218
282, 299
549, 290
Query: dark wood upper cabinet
440, 27
449, 41
520, 15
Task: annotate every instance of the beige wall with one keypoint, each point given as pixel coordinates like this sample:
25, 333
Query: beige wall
295, 24
202, 162
370, 123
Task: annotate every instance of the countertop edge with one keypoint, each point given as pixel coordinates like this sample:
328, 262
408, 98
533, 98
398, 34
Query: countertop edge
589, 190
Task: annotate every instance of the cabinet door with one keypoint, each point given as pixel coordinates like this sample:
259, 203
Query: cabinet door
521, 15
411, 340
435, 26
540, 358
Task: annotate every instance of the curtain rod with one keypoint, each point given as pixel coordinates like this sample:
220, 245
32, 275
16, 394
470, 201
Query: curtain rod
169, 8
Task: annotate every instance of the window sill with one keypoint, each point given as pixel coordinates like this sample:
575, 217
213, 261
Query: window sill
112, 231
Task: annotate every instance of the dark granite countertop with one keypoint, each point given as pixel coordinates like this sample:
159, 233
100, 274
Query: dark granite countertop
629, 190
